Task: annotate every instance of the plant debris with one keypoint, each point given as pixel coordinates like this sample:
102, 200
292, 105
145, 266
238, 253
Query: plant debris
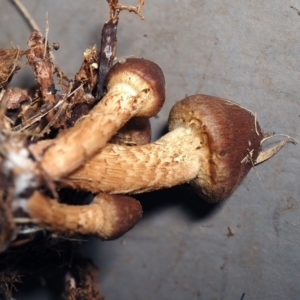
41, 222
38, 113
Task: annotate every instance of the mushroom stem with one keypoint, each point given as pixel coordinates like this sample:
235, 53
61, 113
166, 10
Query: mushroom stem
209, 140
135, 88
89, 134
108, 216
171, 160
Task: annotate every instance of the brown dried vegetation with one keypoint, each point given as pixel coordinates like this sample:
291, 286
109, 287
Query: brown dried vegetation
28, 194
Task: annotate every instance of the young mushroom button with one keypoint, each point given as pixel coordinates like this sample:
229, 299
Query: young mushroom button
135, 87
212, 144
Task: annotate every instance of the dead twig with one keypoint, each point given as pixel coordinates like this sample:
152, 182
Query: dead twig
107, 53
116, 8
46, 37
26, 14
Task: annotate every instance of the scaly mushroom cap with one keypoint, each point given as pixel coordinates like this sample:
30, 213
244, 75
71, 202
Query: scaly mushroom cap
230, 141
142, 76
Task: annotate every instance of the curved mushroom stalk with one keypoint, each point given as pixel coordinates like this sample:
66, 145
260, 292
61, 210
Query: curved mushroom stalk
108, 216
209, 140
135, 87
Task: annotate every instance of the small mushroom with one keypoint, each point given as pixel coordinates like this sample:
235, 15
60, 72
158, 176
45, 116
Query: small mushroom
108, 216
135, 87
137, 131
212, 144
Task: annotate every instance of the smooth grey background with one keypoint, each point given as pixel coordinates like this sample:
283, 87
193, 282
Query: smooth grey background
247, 51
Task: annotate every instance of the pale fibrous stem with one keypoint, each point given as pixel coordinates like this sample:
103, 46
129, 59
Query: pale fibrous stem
75, 145
174, 159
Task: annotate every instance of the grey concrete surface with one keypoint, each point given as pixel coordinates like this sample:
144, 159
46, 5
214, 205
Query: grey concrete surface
247, 51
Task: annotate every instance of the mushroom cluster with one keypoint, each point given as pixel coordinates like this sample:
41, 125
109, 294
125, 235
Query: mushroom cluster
135, 88
212, 144
103, 147
72, 157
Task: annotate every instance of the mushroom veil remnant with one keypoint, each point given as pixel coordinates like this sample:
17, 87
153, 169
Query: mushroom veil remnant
212, 144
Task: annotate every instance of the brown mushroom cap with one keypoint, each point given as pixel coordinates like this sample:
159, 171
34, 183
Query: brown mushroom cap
137, 131
229, 134
145, 77
121, 213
